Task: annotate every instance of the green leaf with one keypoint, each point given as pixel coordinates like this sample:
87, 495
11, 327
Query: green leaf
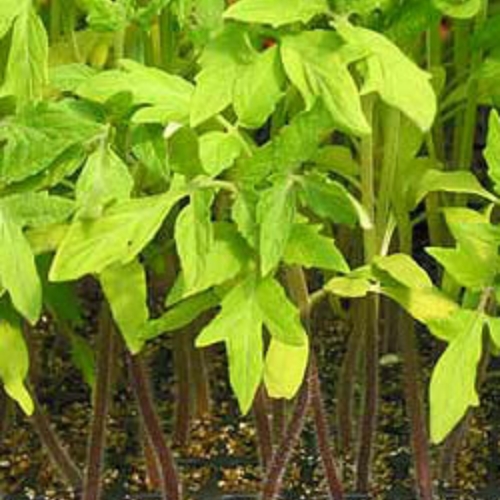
349, 287
423, 182
275, 214
18, 273
239, 325
337, 159
314, 63
306, 247
26, 72
105, 178
403, 269
330, 200
494, 329
453, 382
180, 315
461, 9
229, 256
218, 151
82, 356
124, 287
222, 62
276, 13
295, 144
258, 89
9, 10
37, 209
194, 236
14, 360
395, 77
146, 85
492, 151
424, 304
285, 368
474, 262
118, 236
281, 317
244, 213
39, 135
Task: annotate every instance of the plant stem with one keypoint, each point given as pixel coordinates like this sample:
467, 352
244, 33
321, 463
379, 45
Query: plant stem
171, 489
92, 487
369, 414
55, 20
167, 39
4, 412
299, 293
63, 463
466, 134
282, 454
345, 386
200, 381
182, 372
323, 435
260, 412
152, 467
52, 445
279, 419
413, 391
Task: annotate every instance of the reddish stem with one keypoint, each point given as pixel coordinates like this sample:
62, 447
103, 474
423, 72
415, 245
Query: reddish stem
264, 439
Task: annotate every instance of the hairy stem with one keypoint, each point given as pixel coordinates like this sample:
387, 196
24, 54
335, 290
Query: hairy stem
57, 452
201, 380
413, 391
92, 487
369, 415
171, 489
4, 412
345, 386
152, 467
323, 435
261, 416
279, 419
281, 457
182, 372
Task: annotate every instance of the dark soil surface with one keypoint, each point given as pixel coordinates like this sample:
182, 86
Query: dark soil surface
221, 457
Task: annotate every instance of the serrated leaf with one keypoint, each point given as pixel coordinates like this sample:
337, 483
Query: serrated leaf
284, 369
228, 257
394, 76
280, 315
18, 273
26, 72
424, 304
453, 382
180, 315
403, 269
124, 287
14, 360
105, 178
118, 236
295, 144
194, 236
331, 200
275, 214
218, 151
306, 247
258, 89
146, 85
276, 13
38, 135
315, 65
37, 209
239, 325
222, 61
